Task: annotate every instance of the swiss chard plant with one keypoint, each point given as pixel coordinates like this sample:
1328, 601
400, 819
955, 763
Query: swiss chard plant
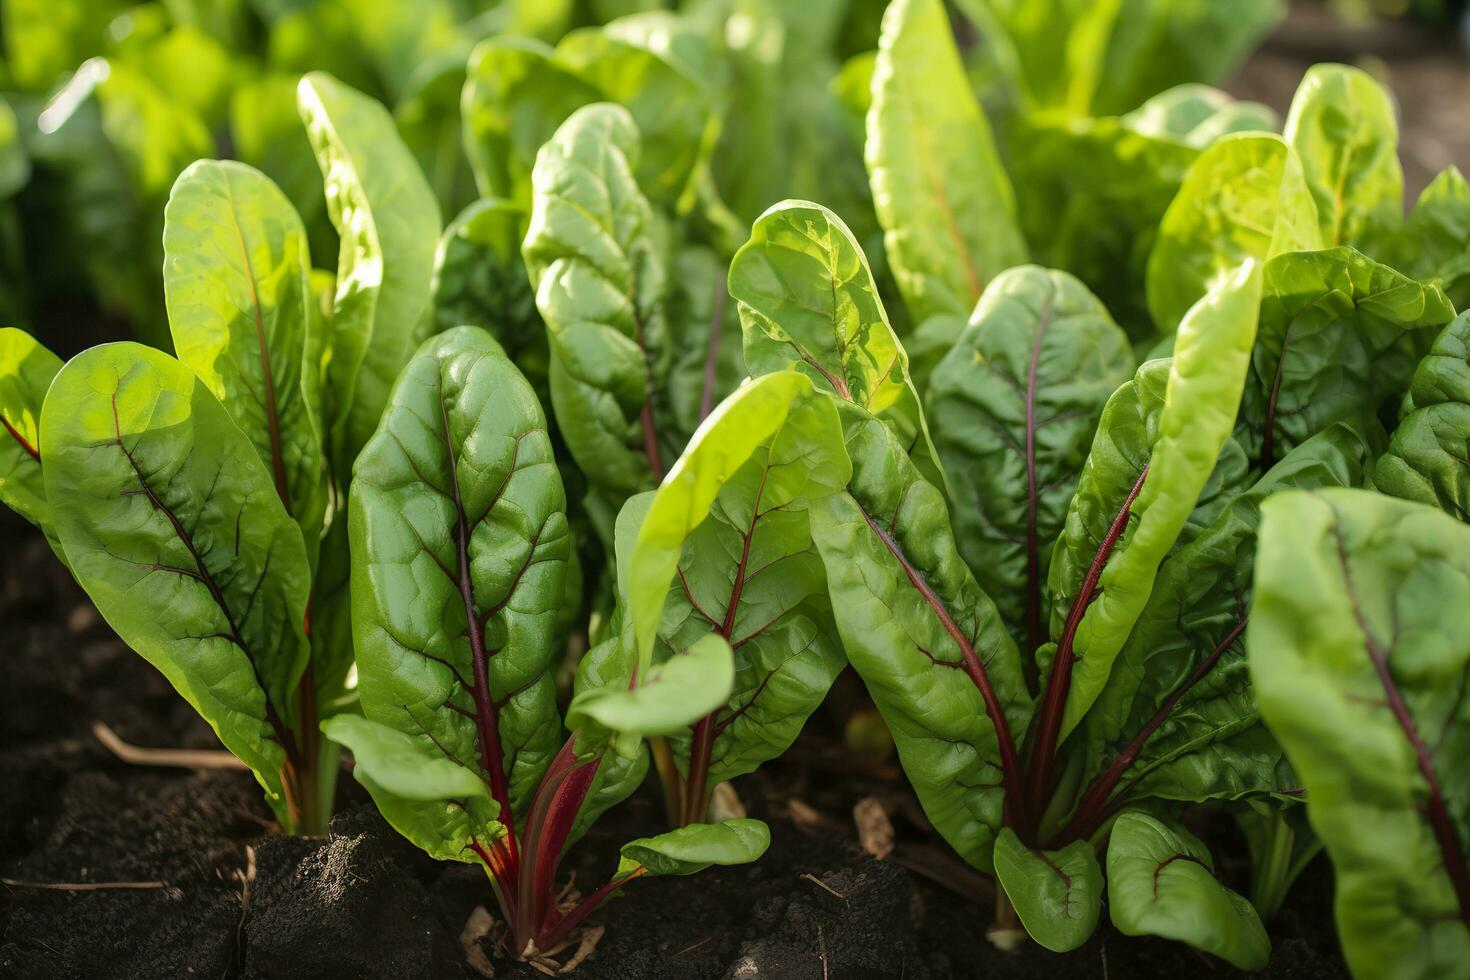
461, 542
199, 500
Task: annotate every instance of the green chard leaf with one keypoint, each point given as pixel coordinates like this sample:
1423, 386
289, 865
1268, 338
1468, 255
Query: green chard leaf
600, 286
237, 284
1427, 452
1155, 450
1339, 334
941, 194
928, 643
1434, 241
1161, 882
173, 526
1358, 650
1343, 129
514, 99
1014, 405
480, 281
389, 224
725, 552
26, 371
1177, 718
691, 849
669, 697
1243, 198
460, 543
808, 302
1057, 894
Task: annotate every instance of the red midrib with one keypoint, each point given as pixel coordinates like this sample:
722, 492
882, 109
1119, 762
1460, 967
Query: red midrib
1450, 848
29, 449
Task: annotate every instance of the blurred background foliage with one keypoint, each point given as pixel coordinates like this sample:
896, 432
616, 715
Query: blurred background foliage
104, 102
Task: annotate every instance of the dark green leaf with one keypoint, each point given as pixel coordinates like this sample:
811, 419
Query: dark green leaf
1057, 894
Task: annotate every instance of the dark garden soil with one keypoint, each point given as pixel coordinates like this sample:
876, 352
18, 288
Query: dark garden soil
364, 903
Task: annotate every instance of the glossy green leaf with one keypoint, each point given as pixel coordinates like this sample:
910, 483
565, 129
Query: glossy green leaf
808, 302
1343, 129
670, 697
670, 107
1057, 894
26, 371
1014, 405
515, 97
480, 281
907, 602
725, 550
600, 286
1161, 882
388, 220
1178, 433
1434, 241
1357, 649
1184, 656
459, 544
692, 849
173, 526
1244, 198
438, 804
940, 191
1339, 334
1427, 452
236, 280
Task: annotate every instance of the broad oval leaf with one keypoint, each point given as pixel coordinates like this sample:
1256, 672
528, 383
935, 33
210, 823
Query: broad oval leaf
1433, 243
1014, 405
668, 699
929, 644
438, 804
808, 302
1243, 198
237, 285
693, 848
1426, 457
1358, 651
939, 189
459, 544
1343, 129
388, 220
172, 524
1057, 894
26, 371
1161, 882
600, 284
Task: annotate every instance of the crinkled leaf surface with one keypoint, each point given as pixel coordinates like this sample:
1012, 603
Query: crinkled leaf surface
1244, 198
600, 282
693, 848
1057, 894
173, 526
26, 371
1161, 882
939, 189
388, 220
460, 543
918, 629
1013, 407
1339, 334
236, 281
1343, 129
1178, 435
808, 301
1427, 453
1359, 653
1434, 241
